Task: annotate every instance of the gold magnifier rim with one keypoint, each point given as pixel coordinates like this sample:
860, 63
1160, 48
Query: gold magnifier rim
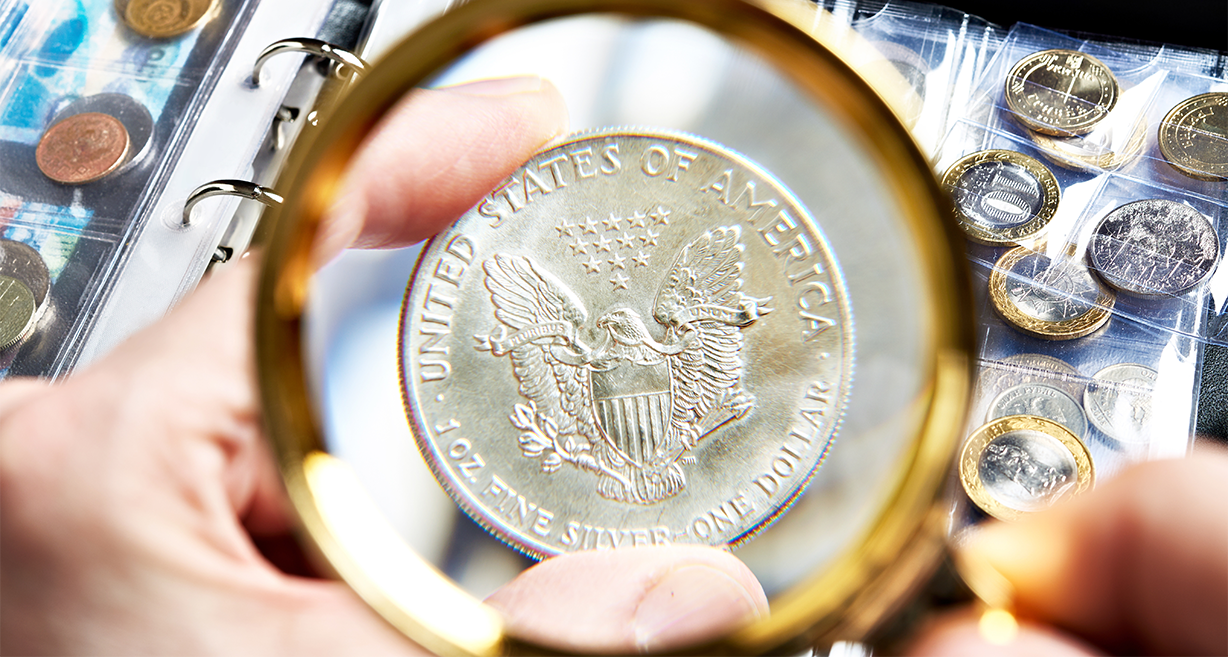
845, 601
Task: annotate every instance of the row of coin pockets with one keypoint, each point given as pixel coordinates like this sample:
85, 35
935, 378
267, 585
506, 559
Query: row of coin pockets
67, 58
53, 262
1107, 346
930, 47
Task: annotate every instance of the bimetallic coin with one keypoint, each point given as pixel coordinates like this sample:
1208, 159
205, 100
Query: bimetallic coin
639, 338
1194, 136
1047, 298
23, 263
1154, 247
82, 148
1103, 149
131, 113
1118, 402
163, 18
1042, 401
17, 311
1060, 92
1002, 197
1021, 463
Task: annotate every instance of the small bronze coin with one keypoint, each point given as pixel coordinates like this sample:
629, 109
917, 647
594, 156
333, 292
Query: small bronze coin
159, 19
17, 311
1194, 136
82, 148
1061, 92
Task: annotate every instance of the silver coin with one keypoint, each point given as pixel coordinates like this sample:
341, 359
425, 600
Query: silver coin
1118, 402
1041, 400
1027, 470
128, 111
639, 338
1154, 247
21, 262
995, 376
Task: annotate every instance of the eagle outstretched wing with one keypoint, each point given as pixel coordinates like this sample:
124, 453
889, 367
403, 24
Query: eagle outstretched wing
531, 301
700, 303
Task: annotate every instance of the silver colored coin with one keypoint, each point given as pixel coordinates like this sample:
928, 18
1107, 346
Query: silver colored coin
639, 338
998, 375
1154, 247
1041, 400
1118, 402
131, 113
1027, 470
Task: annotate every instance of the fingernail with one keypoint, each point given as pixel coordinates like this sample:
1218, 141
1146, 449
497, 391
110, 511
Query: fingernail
691, 604
499, 86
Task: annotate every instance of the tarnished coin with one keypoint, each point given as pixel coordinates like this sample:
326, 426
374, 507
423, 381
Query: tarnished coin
131, 113
1002, 197
1055, 299
1118, 402
21, 262
1103, 149
639, 338
1021, 463
163, 18
1194, 136
82, 148
1060, 92
1042, 401
17, 311
1154, 247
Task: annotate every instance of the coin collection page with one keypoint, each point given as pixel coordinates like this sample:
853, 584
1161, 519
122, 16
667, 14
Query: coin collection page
1090, 184
95, 95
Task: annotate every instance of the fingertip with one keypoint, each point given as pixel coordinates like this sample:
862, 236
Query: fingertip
960, 634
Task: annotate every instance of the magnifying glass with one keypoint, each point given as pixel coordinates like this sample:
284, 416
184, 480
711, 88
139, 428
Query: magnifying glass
730, 309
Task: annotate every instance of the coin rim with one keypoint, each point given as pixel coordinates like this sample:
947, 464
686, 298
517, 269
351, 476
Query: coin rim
1066, 130
1083, 414
6, 344
1176, 156
1028, 230
1069, 329
970, 460
862, 584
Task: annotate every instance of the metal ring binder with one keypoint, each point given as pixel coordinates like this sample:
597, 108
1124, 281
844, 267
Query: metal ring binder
241, 188
310, 46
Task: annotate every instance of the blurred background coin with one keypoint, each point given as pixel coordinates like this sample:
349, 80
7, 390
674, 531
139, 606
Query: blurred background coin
163, 18
22, 263
1118, 401
1042, 401
17, 311
132, 114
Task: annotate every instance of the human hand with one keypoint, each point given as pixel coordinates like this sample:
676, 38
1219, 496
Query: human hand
131, 492
1138, 566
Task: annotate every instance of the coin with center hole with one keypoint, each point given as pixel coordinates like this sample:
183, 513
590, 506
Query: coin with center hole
1154, 248
82, 148
1002, 197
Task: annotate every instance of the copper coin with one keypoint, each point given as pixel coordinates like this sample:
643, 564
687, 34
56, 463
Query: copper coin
159, 19
82, 148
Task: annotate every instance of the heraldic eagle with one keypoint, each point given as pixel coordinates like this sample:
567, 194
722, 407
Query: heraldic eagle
630, 409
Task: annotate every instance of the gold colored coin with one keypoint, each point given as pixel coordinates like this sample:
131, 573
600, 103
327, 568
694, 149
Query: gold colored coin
1023, 463
1095, 151
1054, 299
1061, 92
160, 19
17, 311
1194, 136
1002, 197
82, 148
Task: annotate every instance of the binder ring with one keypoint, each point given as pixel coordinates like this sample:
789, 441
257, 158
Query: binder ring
240, 188
312, 47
